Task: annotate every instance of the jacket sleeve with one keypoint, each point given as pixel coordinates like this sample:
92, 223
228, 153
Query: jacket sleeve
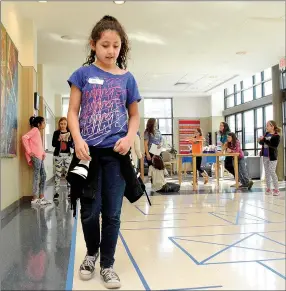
55, 141
273, 142
236, 148
26, 140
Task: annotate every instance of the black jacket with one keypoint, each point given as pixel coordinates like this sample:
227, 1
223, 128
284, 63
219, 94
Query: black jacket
134, 188
272, 144
57, 144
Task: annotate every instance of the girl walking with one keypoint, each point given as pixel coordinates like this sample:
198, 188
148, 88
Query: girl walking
108, 97
35, 155
270, 142
62, 141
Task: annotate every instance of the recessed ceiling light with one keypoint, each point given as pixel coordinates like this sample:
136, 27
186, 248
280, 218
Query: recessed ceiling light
119, 2
241, 53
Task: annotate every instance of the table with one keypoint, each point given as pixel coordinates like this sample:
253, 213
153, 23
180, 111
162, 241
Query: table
216, 155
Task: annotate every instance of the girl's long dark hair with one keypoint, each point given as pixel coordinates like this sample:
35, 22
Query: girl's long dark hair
234, 140
158, 163
150, 127
225, 128
110, 23
35, 121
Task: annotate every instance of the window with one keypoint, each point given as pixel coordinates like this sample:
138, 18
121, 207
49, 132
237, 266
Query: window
230, 101
238, 122
268, 113
230, 90
231, 122
162, 110
267, 88
238, 98
248, 95
267, 74
257, 78
249, 129
247, 83
258, 91
259, 118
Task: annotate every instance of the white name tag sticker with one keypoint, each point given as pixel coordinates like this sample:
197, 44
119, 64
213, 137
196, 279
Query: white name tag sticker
96, 81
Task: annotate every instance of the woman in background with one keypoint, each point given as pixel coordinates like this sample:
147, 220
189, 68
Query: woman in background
152, 135
62, 142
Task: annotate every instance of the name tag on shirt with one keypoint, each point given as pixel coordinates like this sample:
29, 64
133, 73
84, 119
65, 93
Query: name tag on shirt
96, 81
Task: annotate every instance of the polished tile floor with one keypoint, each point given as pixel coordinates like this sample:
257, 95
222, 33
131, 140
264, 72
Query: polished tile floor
213, 239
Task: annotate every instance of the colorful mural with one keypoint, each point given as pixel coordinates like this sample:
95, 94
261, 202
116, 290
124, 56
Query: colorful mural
9, 95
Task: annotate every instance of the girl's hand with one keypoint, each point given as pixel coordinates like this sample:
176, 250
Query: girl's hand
123, 145
158, 146
228, 150
148, 157
81, 150
32, 155
261, 138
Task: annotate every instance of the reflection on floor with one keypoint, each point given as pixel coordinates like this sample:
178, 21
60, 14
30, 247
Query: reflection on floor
213, 239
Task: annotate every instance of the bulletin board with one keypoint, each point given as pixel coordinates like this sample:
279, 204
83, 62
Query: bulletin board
187, 129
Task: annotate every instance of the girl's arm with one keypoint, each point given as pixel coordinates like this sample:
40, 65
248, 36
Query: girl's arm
55, 141
81, 147
235, 149
26, 140
123, 145
137, 147
273, 141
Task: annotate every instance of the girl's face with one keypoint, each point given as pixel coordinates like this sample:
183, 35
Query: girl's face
269, 127
107, 48
229, 138
221, 127
63, 125
42, 125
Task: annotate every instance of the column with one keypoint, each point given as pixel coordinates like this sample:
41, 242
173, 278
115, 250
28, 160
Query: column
277, 100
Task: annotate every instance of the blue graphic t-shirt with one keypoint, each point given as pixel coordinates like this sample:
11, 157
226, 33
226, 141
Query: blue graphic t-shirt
105, 98
266, 148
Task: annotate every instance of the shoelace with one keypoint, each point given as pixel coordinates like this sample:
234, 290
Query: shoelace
109, 274
89, 262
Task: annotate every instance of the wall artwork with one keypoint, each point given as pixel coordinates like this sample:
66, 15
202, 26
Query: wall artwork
9, 96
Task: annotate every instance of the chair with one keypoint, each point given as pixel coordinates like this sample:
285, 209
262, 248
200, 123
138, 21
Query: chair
168, 162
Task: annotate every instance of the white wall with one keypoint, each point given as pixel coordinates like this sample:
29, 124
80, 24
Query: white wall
191, 107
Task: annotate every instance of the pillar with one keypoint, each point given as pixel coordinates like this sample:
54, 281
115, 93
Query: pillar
277, 101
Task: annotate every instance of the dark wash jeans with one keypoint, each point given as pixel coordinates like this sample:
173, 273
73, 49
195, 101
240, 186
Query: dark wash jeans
108, 202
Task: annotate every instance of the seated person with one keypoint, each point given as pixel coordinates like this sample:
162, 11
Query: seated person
157, 172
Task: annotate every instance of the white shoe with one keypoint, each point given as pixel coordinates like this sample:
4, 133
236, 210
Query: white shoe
35, 201
43, 201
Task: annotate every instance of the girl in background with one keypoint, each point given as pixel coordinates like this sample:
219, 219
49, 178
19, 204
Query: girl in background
152, 135
157, 173
233, 146
62, 142
270, 142
197, 148
35, 155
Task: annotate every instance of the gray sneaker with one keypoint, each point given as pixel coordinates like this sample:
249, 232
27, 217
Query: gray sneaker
87, 268
110, 278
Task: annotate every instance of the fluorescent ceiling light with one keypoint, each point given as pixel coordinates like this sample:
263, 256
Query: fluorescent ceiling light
146, 37
119, 2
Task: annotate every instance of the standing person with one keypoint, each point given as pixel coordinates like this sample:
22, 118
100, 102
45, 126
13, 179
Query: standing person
233, 146
152, 135
62, 142
35, 155
270, 142
197, 148
136, 150
102, 88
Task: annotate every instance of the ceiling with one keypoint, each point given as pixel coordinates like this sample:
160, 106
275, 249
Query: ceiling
190, 43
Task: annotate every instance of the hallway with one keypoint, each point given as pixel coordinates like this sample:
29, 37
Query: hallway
195, 241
